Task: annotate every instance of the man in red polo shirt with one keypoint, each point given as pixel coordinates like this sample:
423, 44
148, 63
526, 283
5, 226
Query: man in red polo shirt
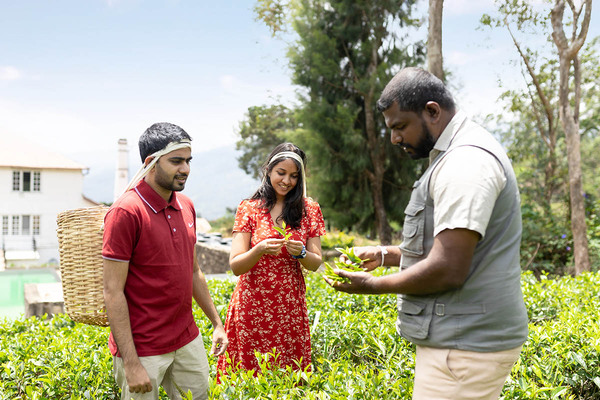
151, 275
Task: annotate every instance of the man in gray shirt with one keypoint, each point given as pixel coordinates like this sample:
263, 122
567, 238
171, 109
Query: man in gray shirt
459, 293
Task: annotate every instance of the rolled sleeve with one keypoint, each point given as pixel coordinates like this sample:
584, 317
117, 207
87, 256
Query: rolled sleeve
464, 188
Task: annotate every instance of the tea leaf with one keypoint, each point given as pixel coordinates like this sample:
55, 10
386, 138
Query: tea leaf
284, 231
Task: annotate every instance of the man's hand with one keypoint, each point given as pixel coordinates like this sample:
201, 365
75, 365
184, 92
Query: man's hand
360, 282
371, 255
219, 341
137, 378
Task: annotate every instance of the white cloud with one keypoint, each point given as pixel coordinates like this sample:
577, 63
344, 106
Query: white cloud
9, 73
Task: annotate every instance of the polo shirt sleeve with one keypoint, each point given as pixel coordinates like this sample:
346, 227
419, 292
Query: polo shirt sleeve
464, 188
120, 235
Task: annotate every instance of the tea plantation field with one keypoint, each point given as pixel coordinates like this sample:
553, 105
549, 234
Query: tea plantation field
356, 351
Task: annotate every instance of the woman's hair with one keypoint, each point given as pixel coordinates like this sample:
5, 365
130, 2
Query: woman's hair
293, 208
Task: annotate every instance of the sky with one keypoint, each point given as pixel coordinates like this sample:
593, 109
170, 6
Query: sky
77, 75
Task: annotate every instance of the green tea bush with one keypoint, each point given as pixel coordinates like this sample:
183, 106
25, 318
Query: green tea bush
356, 351
592, 211
335, 239
547, 242
561, 358
54, 359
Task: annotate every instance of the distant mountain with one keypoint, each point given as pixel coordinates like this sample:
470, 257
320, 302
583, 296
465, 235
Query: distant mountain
215, 182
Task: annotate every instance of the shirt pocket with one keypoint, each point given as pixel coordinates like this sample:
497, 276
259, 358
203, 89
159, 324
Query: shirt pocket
413, 229
414, 318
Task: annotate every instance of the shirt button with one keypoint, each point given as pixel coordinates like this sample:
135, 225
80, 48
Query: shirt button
174, 230
168, 216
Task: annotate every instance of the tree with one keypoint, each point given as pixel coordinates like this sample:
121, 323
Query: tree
570, 97
345, 52
538, 109
537, 105
264, 128
434, 39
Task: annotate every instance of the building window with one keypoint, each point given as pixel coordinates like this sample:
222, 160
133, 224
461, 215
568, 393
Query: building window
15, 225
24, 225
26, 181
16, 180
36, 224
36, 181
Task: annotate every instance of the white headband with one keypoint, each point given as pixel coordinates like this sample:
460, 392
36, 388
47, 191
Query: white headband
145, 169
296, 157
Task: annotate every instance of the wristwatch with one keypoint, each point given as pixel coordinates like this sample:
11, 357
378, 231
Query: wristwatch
301, 255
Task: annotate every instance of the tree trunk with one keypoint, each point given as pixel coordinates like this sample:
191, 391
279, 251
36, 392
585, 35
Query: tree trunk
567, 55
571, 128
384, 231
434, 39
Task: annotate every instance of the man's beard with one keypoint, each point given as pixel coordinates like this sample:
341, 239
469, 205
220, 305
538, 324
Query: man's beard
425, 145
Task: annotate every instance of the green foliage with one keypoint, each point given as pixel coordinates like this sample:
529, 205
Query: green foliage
531, 130
592, 211
333, 60
561, 358
264, 128
352, 263
54, 359
335, 239
356, 353
224, 224
272, 13
284, 231
344, 54
546, 244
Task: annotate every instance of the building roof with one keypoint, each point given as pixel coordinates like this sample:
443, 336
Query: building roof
17, 153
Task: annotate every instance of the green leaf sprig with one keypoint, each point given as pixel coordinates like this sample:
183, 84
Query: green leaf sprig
284, 231
353, 266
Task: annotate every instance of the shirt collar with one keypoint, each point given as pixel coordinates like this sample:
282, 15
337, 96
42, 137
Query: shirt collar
443, 142
154, 200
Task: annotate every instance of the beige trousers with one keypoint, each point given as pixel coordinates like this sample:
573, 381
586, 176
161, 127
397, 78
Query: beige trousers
184, 369
451, 374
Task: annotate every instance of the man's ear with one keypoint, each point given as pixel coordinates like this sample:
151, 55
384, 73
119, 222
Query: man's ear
433, 111
148, 160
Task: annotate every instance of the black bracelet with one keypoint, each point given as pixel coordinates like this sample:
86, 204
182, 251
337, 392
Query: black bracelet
301, 255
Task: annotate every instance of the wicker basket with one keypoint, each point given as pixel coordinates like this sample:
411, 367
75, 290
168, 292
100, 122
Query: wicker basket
80, 244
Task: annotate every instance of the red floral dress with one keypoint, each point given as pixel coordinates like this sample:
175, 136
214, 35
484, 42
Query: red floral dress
268, 307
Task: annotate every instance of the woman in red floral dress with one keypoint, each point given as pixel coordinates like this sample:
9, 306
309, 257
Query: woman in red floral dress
267, 311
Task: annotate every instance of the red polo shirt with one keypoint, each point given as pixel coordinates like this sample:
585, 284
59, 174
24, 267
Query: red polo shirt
157, 239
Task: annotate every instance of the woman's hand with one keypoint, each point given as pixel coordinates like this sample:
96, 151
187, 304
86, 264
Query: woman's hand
271, 246
294, 247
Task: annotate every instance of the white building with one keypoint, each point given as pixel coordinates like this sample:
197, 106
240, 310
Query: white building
35, 185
